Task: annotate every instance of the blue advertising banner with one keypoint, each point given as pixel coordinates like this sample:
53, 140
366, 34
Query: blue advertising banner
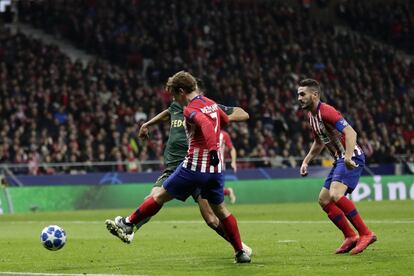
114, 178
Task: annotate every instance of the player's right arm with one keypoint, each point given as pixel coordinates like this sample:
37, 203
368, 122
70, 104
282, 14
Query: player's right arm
207, 128
314, 151
224, 119
160, 117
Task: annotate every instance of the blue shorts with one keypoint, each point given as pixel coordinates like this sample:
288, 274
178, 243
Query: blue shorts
340, 173
184, 182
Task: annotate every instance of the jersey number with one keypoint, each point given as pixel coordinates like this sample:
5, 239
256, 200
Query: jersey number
215, 117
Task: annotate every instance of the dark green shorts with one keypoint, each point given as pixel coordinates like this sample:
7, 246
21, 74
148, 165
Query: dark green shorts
165, 174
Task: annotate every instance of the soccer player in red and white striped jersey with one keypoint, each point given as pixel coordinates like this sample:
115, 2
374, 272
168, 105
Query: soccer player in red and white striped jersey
333, 132
226, 144
201, 168
203, 122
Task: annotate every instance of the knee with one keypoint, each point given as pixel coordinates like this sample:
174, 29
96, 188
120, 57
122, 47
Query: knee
153, 192
209, 217
161, 196
334, 197
323, 201
222, 213
212, 221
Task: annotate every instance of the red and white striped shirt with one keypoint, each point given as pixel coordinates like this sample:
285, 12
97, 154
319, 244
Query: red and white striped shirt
327, 125
203, 121
224, 143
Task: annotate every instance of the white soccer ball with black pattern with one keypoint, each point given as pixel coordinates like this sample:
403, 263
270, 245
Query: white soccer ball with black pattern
53, 237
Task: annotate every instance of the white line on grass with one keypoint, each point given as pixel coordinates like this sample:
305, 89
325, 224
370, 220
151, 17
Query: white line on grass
287, 241
410, 221
57, 274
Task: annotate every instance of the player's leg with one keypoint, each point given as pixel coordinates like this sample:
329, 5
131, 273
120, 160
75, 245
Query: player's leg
230, 193
156, 188
178, 185
338, 218
336, 215
366, 236
150, 206
208, 215
213, 192
337, 194
345, 181
174, 186
123, 227
213, 222
231, 229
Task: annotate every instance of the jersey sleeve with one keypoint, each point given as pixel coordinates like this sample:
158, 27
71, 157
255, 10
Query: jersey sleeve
224, 119
227, 109
334, 117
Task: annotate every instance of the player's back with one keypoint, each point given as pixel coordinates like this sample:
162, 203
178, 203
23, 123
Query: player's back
203, 124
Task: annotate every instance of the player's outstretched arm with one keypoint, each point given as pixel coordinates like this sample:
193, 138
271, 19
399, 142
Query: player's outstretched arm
160, 117
238, 115
314, 151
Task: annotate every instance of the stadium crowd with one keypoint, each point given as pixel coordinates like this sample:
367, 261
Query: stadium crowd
389, 21
248, 53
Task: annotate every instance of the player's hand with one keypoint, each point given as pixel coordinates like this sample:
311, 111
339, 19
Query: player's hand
350, 164
304, 169
214, 159
144, 132
234, 166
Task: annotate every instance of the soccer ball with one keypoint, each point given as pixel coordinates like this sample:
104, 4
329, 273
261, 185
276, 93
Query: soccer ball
53, 237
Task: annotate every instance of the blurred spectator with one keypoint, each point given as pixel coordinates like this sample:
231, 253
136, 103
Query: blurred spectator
389, 21
248, 53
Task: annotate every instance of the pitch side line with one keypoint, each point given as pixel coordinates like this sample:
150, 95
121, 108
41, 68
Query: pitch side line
411, 221
59, 274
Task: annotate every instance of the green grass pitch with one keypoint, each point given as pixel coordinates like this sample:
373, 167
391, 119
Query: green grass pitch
287, 239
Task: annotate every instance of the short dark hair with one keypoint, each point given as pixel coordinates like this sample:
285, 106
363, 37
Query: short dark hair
183, 80
311, 83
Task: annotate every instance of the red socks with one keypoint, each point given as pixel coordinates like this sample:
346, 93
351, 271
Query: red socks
226, 191
147, 209
232, 232
349, 209
338, 218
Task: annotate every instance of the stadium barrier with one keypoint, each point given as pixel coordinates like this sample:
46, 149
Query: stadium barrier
148, 177
75, 197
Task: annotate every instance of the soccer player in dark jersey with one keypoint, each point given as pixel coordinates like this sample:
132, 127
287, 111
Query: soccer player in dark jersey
332, 131
200, 169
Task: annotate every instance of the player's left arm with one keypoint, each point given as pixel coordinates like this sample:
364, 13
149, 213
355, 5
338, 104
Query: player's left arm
350, 142
160, 117
236, 114
334, 117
